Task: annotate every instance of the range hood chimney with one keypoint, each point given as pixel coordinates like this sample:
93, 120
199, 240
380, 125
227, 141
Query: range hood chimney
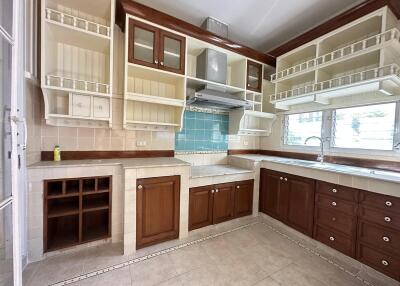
212, 66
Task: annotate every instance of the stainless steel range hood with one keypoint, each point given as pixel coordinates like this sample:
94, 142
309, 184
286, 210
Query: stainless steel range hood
209, 97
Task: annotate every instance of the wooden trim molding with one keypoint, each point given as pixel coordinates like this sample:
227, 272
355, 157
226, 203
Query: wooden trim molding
93, 155
349, 161
139, 10
340, 20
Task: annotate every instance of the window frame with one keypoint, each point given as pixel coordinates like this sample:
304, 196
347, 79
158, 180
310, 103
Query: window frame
327, 133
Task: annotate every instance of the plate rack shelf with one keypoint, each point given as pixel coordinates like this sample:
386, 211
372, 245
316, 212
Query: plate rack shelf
76, 211
360, 57
76, 62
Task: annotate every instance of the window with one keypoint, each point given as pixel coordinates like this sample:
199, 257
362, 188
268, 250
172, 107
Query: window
298, 127
370, 127
366, 127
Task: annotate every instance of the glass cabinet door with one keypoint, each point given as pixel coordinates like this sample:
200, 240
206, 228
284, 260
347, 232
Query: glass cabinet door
254, 76
143, 43
172, 52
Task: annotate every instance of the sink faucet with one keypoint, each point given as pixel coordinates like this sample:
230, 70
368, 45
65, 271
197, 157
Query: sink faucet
320, 157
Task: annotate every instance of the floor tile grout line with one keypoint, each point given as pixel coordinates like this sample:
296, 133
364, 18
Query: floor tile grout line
314, 252
148, 256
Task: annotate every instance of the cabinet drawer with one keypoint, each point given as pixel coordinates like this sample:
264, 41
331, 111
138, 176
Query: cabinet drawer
335, 240
387, 203
382, 237
336, 204
101, 107
81, 105
384, 218
336, 191
336, 220
379, 260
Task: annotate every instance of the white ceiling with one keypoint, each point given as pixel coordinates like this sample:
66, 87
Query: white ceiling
260, 24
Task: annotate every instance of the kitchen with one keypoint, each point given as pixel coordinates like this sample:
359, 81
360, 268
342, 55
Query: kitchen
151, 143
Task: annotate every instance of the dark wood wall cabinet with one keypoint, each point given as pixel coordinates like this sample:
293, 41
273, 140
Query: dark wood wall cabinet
218, 203
157, 210
76, 210
360, 224
153, 47
288, 198
254, 76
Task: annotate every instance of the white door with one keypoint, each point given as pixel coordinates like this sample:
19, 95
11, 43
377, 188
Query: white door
11, 90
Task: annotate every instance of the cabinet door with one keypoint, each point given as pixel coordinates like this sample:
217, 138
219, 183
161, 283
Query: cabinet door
172, 52
101, 107
270, 193
243, 198
157, 210
200, 207
300, 206
143, 44
223, 202
254, 76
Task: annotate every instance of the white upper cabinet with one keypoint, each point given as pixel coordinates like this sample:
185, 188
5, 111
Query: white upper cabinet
76, 61
362, 57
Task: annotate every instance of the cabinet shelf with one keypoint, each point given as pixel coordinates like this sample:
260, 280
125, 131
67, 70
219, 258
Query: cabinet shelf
197, 83
383, 79
77, 85
77, 23
367, 45
154, 99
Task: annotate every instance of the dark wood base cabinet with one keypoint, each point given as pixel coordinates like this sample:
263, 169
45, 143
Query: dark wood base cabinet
360, 224
157, 210
218, 203
288, 198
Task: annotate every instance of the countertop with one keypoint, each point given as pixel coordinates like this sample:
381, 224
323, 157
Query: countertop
216, 170
132, 163
388, 176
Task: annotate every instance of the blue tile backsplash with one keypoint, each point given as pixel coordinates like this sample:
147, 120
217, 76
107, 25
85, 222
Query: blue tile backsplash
203, 132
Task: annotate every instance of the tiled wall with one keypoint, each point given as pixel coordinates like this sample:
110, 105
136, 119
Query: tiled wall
203, 132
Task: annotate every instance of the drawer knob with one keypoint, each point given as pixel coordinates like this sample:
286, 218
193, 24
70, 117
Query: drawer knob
216, 190
388, 219
334, 204
386, 239
333, 219
212, 191
388, 203
385, 263
140, 187
285, 179
281, 178
237, 187
334, 191
331, 238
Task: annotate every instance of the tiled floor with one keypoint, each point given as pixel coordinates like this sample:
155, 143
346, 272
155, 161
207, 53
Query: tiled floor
250, 251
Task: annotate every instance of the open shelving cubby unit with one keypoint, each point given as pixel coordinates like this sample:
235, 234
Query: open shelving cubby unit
360, 57
76, 211
76, 62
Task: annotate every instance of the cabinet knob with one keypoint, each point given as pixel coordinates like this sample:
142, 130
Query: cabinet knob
334, 204
386, 239
156, 61
385, 263
281, 178
388, 219
237, 187
331, 238
139, 187
333, 219
216, 190
334, 191
162, 63
212, 191
285, 179
388, 203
